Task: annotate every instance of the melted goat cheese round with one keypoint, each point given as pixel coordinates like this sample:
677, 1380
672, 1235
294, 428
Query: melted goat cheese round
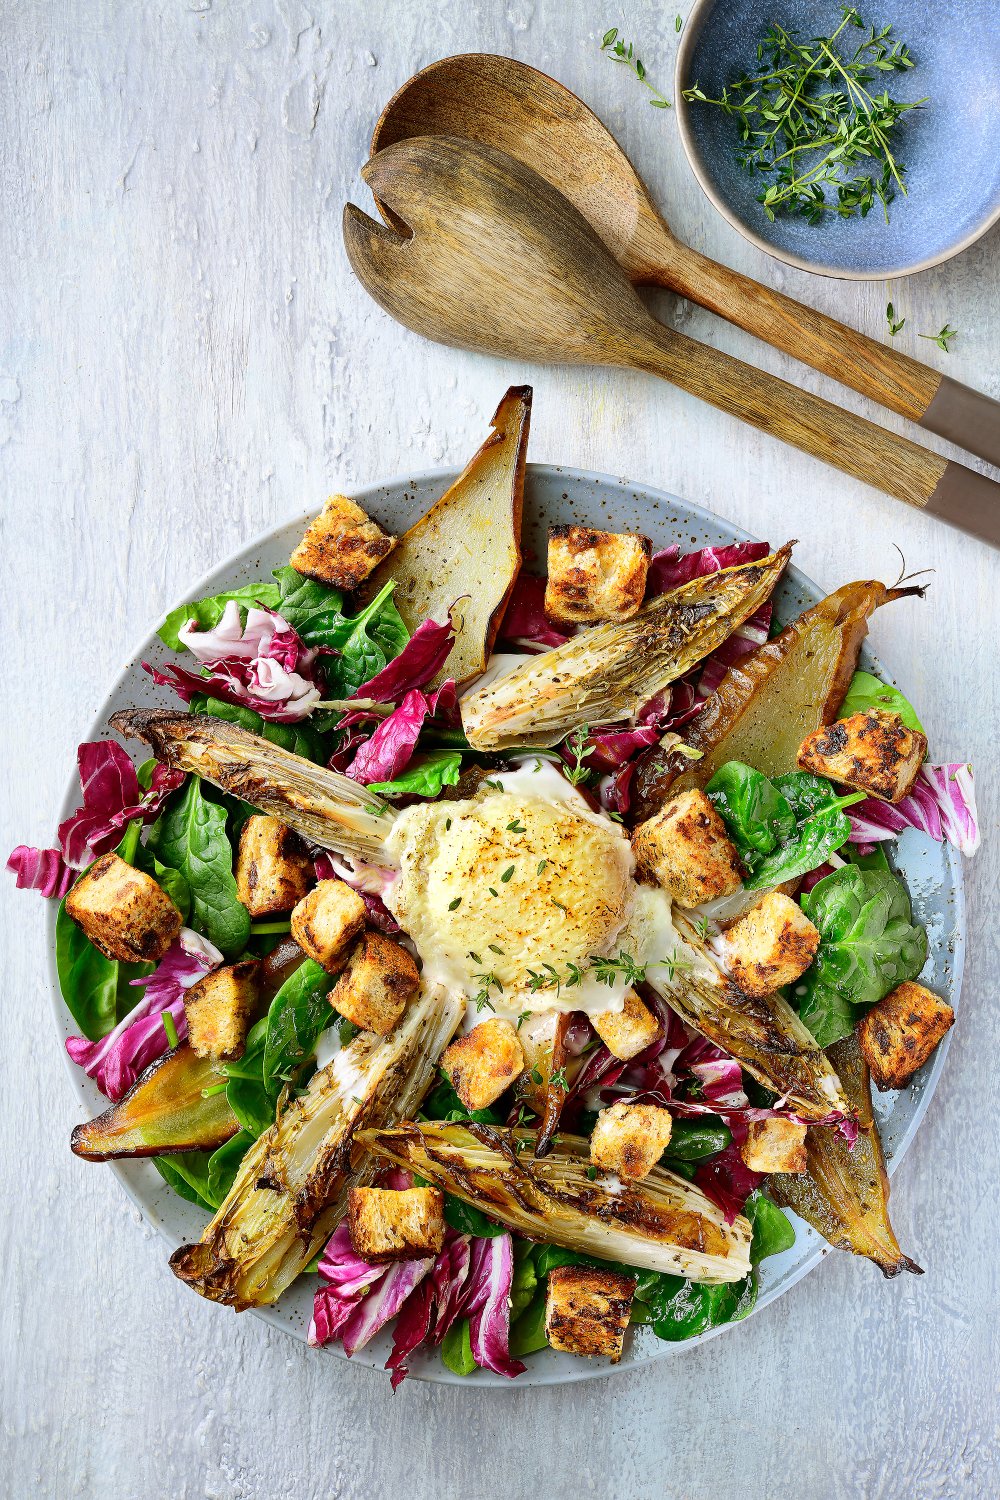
521, 875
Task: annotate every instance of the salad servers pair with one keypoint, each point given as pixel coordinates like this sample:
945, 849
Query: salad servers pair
480, 250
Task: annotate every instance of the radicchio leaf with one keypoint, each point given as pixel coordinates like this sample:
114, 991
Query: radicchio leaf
942, 804
115, 1062
524, 621
389, 750
421, 658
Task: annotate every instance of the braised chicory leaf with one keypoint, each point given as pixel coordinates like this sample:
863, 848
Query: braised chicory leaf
782, 828
208, 612
190, 837
867, 692
427, 778
442, 1103
869, 944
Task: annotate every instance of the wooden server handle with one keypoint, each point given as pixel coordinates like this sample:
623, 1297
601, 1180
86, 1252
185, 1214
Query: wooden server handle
850, 443
885, 375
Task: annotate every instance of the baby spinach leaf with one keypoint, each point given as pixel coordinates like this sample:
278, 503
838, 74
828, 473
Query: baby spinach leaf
300, 738
866, 692
869, 944
456, 1349
364, 642
223, 1165
299, 1012
96, 990
190, 836
187, 1173
782, 828
251, 1103
693, 1140
527, 1333
755, 813
772, 1232
426, 778
208, 612
693, 1308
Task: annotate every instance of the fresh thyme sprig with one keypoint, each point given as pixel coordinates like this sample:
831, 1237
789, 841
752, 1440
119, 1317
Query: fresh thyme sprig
942, 338
809, 121
623, 52
576, 744
895, 324
481, 1000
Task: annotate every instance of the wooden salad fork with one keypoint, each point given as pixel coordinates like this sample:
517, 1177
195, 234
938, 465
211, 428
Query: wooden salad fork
504, 103
488, 256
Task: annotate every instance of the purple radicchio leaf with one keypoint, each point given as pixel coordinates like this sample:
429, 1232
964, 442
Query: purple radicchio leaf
423, 656
116, 1061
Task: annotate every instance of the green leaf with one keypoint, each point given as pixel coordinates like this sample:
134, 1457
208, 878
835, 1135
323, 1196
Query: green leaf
869, 944
299, 738
692, 1140
208, 612
456, 1349
190, 837
527, 1333
223, 1164
694, 1308
757, 817
96, 990
365, 642
187, 1173
867, 692
772, 1232
246, 1095
298, 1014
524, 1282
424, 778
782, 828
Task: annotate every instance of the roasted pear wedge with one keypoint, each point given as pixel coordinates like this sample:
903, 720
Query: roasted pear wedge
463, 556
768, 702
326, 808
764, 1034
606, 674
661, 1224
164, 1111
844, 1192
291, 1189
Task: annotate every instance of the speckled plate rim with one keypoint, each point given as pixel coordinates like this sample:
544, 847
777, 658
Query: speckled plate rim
692, 30
546, 1367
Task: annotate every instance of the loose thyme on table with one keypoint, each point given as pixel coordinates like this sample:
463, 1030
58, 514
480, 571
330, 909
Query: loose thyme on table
810, 121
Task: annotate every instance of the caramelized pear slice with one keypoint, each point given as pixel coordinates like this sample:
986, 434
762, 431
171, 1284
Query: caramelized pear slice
844, 1192
464, 554
767, 703
164, 1111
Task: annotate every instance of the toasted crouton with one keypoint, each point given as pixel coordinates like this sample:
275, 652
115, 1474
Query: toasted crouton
873, 752
587, 1310
770, 946
628, 1031
686, 849
395, 1223
326, 922
342, 545
775, 1145
273, 870
898, 1035
595, 575
123, 911
629, 1139
218, 1010
484, 1062
379, 981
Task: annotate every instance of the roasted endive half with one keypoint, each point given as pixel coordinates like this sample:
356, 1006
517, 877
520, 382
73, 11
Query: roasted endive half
326, 808
764, 1035
660, 1224
606, 674
844, 1191
172, 1106
291, 1189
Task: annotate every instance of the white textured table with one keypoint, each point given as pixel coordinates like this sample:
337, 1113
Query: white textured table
185, 359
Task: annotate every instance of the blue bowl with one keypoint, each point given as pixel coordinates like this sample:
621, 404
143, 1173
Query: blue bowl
951, 147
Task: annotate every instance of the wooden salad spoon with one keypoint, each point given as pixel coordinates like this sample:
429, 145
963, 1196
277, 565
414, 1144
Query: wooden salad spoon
490, 257
505, 103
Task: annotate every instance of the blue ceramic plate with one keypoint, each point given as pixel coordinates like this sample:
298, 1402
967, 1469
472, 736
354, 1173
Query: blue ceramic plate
949, 147
933, 873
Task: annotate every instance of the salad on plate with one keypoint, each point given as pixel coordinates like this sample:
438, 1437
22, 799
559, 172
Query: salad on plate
507, 951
